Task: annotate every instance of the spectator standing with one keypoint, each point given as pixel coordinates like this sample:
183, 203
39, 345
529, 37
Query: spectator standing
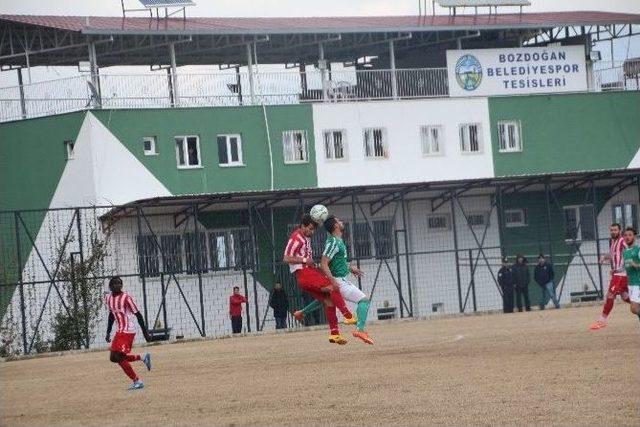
235, 310
544, 276
280, 306
506, 280
522, 278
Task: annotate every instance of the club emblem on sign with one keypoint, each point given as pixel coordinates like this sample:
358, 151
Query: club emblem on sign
468, 72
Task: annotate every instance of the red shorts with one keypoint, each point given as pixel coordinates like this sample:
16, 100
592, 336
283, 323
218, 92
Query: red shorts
618, 285
312, 280
122, 342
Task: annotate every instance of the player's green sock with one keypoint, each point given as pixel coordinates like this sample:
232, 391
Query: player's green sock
361, 311
311, 307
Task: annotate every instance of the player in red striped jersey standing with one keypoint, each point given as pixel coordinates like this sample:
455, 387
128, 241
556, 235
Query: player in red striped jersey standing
121, 310
618, 284
299, 256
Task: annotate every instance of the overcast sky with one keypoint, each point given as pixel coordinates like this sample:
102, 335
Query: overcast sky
624, 48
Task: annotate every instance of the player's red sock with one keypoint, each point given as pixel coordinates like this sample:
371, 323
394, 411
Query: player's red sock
132, 357
625, 298
338, 301
332, 318
126, 367
608, 306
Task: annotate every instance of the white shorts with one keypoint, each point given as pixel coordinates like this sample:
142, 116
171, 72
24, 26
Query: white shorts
349, 291
634, 293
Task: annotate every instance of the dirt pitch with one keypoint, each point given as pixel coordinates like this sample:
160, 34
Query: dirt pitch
541, 368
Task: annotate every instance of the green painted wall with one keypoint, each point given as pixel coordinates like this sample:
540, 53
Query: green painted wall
32, 159
573, 132
130, 126
533, 239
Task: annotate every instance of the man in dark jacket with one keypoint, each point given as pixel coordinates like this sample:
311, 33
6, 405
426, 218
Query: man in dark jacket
522, 278
506, 282
544, 275
280, 305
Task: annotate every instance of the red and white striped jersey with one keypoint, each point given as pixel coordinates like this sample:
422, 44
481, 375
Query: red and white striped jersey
123, 309
616, 248
298, 245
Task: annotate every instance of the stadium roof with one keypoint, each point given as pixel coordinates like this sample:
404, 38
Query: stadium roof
62, 40
106, 25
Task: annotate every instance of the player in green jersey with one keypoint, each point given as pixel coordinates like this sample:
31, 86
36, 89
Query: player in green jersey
335, 265
631, 257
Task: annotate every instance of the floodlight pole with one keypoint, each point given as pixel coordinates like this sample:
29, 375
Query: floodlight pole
23, 105
95, 79
392, 64
174, 76
250, 69
322, 65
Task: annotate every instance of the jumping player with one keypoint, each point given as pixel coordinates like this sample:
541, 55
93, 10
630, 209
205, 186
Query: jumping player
631, 257
336, 266
618, 284
121, 308
299, 256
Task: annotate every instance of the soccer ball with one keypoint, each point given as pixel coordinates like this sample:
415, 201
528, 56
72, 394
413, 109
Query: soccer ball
319, 213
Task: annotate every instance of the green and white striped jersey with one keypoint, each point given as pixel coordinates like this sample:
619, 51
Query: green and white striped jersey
336, 251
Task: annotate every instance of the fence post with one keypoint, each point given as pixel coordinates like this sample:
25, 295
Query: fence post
406, 252
198, 260
353, 233
74, 294
455, 248
84, 291
594, 208
21, 289
472, 271
142, 272
392, 64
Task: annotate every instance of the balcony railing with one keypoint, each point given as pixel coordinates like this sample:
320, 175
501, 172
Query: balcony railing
158, 90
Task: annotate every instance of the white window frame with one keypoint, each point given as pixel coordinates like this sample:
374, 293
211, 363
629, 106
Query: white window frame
185, 152
288, 134
522, 223
577, 208
624, 222
464, 136
69, 148
385, 143
152, 140
426, 141
485, 220
447, 218
230, 163
329, 150
503, 143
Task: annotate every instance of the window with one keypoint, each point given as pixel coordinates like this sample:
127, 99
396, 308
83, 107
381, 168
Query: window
514, 218
383, 238
431, 137
438, 222
361, 240
195, 250
579, 223
171, 247
294, 143
188, 151
231, 249
230, 150
375, 143
626, 214
477, 219
509, 138
149, 145
334, 144
470, 138
148, 261
70, 147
